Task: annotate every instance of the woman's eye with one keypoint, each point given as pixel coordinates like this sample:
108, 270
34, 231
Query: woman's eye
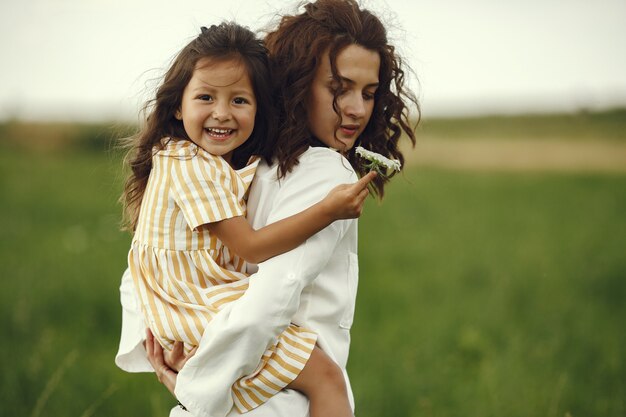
338, 91
240, 100
336, 88
368, 96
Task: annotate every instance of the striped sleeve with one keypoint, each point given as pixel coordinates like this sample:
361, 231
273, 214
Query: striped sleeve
202, 188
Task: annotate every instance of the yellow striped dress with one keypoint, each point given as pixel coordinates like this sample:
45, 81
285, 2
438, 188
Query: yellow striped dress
184, 275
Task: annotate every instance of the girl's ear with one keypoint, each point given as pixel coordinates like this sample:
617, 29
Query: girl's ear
178, 115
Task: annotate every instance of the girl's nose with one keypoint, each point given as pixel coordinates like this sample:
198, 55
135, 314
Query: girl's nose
221, 112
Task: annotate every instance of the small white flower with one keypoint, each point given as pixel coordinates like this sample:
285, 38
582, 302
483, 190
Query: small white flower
377, 161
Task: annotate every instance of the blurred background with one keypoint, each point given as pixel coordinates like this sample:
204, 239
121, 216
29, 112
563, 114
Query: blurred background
493, 275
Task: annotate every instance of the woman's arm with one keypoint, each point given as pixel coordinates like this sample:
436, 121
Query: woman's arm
343, 202
234, 341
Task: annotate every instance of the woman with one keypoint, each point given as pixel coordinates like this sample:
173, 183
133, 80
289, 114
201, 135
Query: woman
340, 85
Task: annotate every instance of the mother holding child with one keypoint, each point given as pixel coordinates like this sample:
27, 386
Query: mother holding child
285, 116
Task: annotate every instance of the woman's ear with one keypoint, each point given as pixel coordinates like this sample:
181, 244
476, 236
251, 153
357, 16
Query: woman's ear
178, 115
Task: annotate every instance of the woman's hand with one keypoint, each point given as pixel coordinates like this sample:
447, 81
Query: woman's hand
166, 375
166, 364
346, 201
176, 359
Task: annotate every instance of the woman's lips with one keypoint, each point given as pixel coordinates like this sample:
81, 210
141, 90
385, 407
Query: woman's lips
349, 130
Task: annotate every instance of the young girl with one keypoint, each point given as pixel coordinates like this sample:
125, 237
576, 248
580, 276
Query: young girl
192, 164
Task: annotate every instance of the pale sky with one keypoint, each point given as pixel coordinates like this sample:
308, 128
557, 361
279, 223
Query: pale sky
95, 59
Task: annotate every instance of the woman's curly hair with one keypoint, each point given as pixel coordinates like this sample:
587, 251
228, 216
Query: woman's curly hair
296, 48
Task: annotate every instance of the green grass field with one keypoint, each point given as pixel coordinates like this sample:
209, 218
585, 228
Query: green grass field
481, 293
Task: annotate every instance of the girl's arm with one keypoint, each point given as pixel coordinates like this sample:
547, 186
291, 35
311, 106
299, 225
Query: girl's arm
343, 202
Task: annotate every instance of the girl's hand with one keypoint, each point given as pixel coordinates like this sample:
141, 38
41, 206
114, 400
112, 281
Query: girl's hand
346, 201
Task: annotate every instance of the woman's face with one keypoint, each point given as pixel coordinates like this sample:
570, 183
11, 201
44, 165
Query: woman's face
357, 68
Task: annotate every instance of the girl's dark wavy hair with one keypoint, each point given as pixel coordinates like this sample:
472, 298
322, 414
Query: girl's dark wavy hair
296, 48
222, 42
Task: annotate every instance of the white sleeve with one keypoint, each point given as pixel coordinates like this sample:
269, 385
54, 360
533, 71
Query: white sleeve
236, 338
131, 355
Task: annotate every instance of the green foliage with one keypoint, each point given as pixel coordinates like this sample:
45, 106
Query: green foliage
606, 125
51, 137
480, 294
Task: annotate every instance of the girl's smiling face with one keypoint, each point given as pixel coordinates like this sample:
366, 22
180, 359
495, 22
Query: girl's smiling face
358, 69
218, 106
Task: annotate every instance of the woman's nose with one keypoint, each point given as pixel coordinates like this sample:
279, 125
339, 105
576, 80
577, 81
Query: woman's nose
354, 105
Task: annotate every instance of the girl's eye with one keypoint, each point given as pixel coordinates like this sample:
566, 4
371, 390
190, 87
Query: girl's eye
240, 100
205, 97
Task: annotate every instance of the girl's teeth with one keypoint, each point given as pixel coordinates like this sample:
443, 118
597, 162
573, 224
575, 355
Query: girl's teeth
219, 131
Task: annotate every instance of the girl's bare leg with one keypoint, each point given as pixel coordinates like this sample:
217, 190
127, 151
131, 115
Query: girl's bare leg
323, 383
